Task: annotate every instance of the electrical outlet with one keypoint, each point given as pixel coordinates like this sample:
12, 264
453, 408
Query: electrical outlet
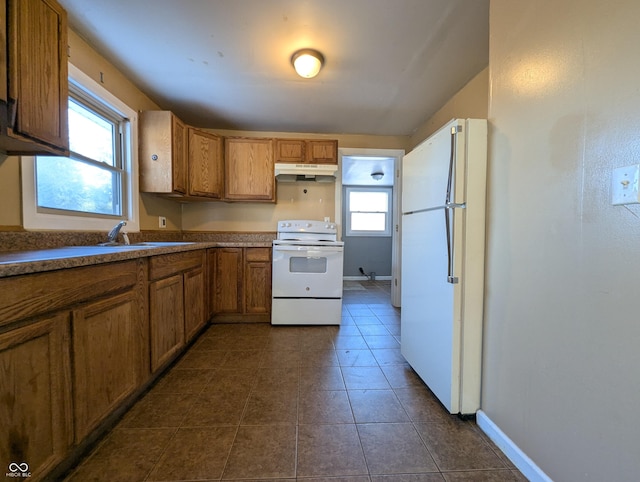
162, 222
624, 185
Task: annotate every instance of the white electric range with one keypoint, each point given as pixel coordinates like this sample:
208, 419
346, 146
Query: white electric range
307, 274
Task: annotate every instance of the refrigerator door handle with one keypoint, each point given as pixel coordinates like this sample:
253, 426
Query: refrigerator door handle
449, 211
448, 214
452, 151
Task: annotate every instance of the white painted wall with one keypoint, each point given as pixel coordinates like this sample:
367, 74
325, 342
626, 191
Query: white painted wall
561, 373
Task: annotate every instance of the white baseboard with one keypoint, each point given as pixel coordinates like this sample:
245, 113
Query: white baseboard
524, 464
366, 278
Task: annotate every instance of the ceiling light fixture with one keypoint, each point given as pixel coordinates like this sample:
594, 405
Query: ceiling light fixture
377, 175
307, 62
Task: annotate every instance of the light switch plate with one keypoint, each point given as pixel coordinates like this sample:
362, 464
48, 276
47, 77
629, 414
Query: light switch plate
624, 185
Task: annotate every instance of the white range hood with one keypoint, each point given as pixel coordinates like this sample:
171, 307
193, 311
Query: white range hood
289, 172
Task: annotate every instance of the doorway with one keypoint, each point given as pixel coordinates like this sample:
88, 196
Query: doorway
368, 177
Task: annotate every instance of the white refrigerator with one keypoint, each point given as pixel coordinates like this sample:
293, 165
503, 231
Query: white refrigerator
442, 274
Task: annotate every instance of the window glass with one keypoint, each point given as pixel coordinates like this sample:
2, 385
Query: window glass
83, 188
368, 222
92, 175
368, 211
369, 201
90, 135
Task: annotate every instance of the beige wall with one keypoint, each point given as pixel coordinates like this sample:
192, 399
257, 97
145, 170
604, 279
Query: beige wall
10, 192
471, 102
562, 330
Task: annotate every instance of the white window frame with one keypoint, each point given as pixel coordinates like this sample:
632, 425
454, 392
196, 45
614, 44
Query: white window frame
32, 218
388, 221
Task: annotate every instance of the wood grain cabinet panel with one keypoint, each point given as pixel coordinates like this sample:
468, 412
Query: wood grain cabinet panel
257, 281
163, 153
35, 118
35, 394
106, 345
249, 169
205, 164
241, 284
322, 151
228, 280
177, 303
194, 302
306, 151
166, 313
290, 150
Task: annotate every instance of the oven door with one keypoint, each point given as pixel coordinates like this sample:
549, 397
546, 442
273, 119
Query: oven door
307, 271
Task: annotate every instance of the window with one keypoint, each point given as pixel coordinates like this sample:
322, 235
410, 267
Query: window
368, 211
96, 186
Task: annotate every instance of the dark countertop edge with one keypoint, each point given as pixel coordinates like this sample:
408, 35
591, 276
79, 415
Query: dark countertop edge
27, 266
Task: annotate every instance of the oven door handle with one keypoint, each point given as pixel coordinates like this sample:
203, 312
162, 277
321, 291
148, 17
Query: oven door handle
299, 249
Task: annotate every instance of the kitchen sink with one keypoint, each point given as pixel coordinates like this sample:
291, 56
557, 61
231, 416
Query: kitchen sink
147, 244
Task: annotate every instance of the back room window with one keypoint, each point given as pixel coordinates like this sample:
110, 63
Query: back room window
368, 211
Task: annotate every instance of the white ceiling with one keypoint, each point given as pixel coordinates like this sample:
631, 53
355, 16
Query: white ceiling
390, 64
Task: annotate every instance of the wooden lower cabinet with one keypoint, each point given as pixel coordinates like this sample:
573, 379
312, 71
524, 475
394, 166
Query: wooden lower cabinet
106, 347
228, 280
78, 345
166, 319
177, 303
194, 302
241, 284
257, 281
35, 394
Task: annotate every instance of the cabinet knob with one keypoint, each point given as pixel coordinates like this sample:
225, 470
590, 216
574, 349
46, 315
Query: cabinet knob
154, 157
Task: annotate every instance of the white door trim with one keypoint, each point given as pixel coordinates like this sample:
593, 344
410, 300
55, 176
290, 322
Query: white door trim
397, 155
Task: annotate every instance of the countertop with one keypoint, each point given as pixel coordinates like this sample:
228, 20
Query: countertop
13, 263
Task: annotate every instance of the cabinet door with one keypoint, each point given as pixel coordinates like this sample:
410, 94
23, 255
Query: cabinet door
163, 153
211, 282
322, 152
179, 155
205, 164
257, 280
194, 302
228, 286
166, 314
35, 394
38, 85
290, 150
249, 169
106, 361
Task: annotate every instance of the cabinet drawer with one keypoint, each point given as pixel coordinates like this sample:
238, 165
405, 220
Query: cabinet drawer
258, 254
33, 294
168, 264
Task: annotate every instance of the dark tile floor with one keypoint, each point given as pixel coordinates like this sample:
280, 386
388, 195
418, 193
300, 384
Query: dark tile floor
252, 401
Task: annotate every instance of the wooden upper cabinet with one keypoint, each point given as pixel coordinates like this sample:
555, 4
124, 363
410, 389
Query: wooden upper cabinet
306, 151
290, 150
322, 152
249, 169
34, 118
205, 164
163, 153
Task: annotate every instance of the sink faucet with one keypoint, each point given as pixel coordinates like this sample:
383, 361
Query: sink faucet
113, 234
